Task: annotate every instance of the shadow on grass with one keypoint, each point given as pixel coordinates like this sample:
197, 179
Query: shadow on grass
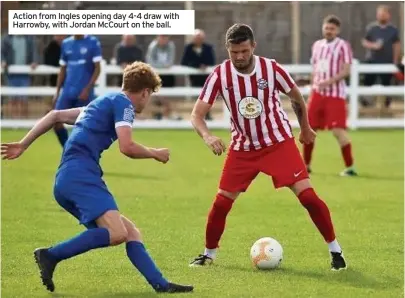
361, 176
136, 294
145, 294
63, 295
131, 176
135, 176
350, 277
139, 294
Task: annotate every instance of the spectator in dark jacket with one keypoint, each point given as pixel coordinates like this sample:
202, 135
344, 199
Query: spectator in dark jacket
198, 54
127, 52
52, 56
383, 46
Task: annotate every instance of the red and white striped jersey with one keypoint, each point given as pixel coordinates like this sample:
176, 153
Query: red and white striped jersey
328, 59
257, 118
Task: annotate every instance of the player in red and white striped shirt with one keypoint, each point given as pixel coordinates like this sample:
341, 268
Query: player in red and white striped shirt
331, 59
261, 138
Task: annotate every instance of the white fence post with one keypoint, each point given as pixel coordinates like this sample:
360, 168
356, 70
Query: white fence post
354, 94
102, 78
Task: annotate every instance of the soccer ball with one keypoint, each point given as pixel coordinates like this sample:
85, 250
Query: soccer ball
266, 253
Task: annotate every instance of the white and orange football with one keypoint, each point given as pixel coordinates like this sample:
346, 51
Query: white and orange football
266, 253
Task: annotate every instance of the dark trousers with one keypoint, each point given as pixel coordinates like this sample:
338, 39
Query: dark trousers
383, 78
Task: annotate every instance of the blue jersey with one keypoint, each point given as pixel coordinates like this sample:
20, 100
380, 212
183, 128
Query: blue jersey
94, 130
79, 56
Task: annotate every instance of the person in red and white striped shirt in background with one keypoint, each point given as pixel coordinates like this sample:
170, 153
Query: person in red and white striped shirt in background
331, 59
262, 139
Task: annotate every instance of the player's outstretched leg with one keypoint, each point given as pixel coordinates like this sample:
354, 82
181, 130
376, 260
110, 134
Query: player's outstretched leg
215, 227
346, 149
320, 215
62, 134
142, 261
46, 264
48, 258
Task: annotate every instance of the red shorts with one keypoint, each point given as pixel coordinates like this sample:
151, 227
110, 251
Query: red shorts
282, 161
326, 112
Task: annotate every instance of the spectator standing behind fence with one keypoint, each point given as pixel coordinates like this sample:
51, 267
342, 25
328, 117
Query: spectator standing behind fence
383, 46
198, 54
52, 56
161, 54
18, 50
127, 52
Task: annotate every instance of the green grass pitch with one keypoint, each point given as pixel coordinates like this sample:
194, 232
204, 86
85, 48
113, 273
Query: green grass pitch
170, 203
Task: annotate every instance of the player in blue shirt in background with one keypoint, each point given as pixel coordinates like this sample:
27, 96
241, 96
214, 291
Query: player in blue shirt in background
79, 187
80, 67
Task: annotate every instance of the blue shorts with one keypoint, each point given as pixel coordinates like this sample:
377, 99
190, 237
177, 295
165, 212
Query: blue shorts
83, 194
69, 99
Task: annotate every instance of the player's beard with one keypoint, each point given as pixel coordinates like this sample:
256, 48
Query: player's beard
246, 67
329, 37
383, 22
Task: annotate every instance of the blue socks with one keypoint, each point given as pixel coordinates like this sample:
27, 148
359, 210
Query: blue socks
100, 237
62, 135
143, 262
90, 239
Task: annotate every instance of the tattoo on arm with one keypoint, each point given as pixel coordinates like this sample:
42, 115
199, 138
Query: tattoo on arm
297, 110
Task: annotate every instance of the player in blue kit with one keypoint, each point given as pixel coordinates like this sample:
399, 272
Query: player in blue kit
79, 187
80, 67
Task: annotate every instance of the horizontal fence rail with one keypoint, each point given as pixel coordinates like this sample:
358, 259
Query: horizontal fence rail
354, 91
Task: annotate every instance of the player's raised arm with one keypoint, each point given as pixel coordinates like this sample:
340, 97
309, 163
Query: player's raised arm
286, 84
14, 150
201, 108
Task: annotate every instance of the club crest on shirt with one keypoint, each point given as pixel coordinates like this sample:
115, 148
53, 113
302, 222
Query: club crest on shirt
322, 66
250, 107
262, 84
83, 51
128, 115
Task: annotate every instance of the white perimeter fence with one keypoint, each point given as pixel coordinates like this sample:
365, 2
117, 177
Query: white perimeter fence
354, 92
